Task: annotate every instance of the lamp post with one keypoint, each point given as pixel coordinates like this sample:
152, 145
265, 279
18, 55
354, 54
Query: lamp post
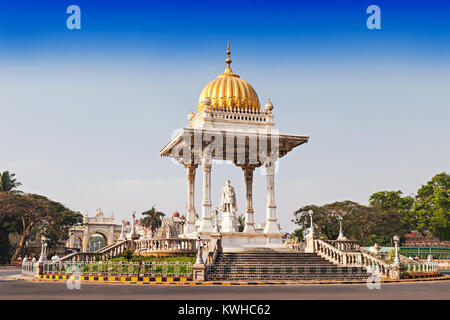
133, 234
183, 223
199, 252
311, 226
396, 242
310, 246
133, 225
199, 267
122, 231
43, 248
341, 232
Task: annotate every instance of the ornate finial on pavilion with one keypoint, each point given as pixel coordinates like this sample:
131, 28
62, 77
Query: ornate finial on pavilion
268, 107
206, 101
191, 115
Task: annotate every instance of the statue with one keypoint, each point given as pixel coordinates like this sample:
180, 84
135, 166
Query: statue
228, 208
228, 200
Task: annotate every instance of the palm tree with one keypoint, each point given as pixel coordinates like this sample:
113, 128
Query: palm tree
8, 182
152, 220
241, 223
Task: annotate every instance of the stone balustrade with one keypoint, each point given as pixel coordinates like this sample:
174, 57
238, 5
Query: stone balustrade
417, 267
168, 245
295, 245
236, 114
373, 263
345, 245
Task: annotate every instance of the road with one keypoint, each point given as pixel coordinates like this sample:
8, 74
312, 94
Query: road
93, 291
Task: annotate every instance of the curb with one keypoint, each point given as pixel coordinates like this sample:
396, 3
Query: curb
422, 275
189, 282
122, 279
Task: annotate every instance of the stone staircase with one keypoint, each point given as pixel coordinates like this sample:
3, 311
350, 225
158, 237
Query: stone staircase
269, 264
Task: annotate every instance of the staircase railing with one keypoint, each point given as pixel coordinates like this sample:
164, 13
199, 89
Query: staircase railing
108, 253
373, 263
345, 245
351, 258
105, 248
215, 248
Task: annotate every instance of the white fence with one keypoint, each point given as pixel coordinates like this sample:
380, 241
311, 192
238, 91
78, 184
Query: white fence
28, 268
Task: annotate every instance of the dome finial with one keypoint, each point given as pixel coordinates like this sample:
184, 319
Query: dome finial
228, 61
228, 72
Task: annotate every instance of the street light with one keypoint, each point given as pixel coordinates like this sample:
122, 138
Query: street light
43, 248
199, 252
341, 232
311, 227
396, 242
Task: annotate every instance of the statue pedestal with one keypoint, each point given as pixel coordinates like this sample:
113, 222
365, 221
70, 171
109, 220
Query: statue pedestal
228, 222
274, 240
397, 270
241, 240
310, 246
199, 272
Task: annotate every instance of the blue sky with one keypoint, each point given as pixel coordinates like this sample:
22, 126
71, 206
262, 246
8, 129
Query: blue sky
87, 111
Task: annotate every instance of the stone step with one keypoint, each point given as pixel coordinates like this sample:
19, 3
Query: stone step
286, 277
239, 264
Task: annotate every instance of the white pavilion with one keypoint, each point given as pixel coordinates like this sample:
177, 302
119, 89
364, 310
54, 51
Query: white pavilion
230, 125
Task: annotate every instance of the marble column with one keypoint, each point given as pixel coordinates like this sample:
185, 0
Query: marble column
71, 239
249, 213
85, 239
190, 207
271, 210
206, 223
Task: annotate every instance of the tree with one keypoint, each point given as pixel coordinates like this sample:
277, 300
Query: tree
297, 234
391, 200
325, 218
127, 254
152, 220
431, 210
394, 208
367, 224
240, 222
62, 219
28, 212
8, 182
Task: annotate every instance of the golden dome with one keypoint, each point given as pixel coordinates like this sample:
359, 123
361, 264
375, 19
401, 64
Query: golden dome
229, 91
